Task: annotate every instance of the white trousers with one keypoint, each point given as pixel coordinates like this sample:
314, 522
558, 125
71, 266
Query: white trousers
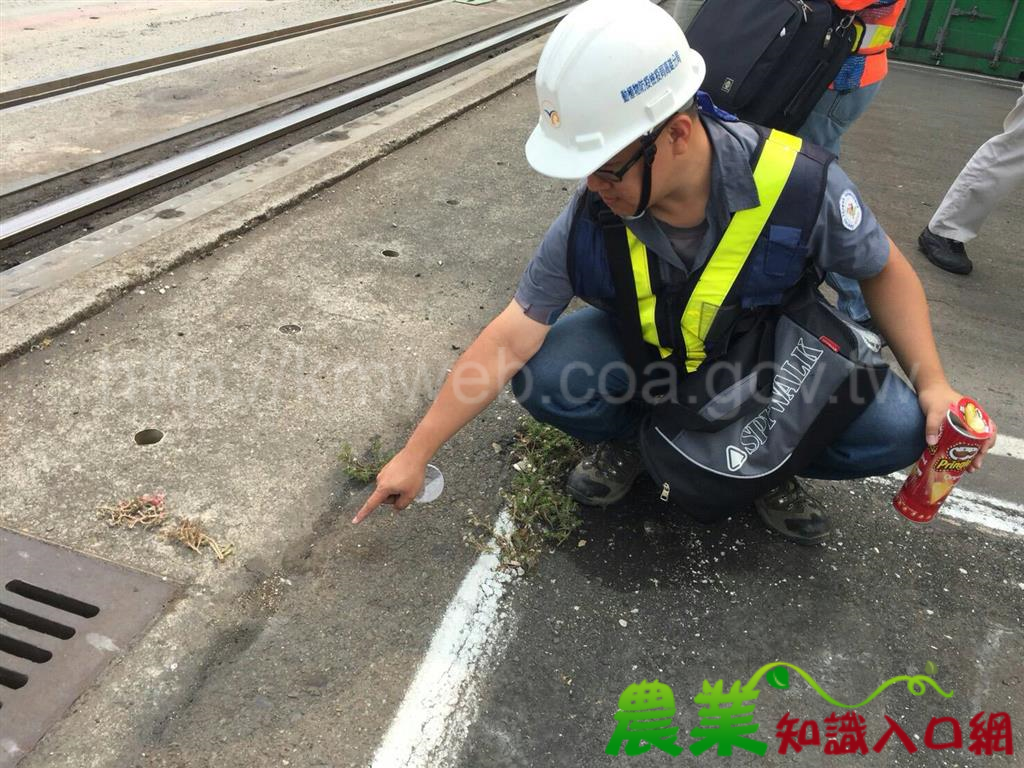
989, 176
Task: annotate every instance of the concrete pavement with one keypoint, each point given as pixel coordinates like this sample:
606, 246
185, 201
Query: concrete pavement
298, 650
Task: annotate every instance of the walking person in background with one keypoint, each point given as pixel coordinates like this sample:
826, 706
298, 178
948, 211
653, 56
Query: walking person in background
846, 99
992, 173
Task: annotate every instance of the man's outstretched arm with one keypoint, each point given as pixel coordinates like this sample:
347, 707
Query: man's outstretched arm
480, 373
899, 307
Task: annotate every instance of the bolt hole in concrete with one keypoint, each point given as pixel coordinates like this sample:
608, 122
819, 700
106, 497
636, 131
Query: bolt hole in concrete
149, 437
290, 328
389, 253
453, 201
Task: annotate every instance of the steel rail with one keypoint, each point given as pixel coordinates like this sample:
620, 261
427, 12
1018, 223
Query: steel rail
68, 83
189, 132
70, 207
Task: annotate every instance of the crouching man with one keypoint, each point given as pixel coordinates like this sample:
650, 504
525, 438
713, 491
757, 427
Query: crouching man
696, 239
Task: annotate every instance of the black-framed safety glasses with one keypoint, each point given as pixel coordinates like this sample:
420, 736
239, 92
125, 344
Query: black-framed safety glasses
646, 145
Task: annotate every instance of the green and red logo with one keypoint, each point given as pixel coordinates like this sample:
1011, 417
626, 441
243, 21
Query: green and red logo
646, 711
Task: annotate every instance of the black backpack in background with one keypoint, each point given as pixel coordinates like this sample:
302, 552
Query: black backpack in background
769, 61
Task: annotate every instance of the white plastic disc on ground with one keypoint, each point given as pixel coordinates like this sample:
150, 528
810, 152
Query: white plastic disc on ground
433, 484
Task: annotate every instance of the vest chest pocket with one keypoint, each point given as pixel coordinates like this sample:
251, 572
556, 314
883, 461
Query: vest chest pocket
594, 281
775, 265
588, 265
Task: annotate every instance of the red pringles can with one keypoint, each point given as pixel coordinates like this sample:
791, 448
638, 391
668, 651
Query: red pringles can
961, 435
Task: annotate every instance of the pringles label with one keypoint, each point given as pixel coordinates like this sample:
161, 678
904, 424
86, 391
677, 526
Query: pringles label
962, 434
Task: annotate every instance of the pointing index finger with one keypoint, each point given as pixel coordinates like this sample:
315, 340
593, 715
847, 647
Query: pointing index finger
378, 497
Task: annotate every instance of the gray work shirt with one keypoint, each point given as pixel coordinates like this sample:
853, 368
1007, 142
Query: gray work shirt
846, 239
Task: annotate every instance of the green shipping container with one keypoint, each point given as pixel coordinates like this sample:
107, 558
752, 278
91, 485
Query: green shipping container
977, 35
980, 36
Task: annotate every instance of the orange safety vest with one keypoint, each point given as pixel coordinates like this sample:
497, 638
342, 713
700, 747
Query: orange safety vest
869, 64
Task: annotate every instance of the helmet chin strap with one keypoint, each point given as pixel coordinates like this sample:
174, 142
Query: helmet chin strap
650, 149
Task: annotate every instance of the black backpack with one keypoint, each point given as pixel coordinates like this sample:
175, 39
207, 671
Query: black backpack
765, 410
769, 61
783, 377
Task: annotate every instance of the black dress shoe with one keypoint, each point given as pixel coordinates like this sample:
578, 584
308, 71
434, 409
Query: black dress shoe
945, 252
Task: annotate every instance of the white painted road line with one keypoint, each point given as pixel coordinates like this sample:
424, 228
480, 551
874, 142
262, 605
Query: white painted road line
986, 511
971, 507
441, 704
433, 720
1011, 447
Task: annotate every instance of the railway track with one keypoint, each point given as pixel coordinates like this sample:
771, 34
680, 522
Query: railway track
44, 214
65, 84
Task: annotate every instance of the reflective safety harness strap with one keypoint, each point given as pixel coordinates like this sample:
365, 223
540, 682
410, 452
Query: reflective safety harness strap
645, 298
778, 156
617, 248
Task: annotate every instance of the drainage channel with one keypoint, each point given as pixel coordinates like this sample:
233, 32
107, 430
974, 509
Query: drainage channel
63, 617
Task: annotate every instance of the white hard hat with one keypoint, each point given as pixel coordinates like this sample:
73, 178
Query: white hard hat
611, 71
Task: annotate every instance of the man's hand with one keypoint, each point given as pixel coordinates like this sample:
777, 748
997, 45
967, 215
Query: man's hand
935, 403
477, 377
397, 483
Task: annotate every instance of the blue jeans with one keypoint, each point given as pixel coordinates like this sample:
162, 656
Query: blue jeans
849, 298
834, 113
579, 383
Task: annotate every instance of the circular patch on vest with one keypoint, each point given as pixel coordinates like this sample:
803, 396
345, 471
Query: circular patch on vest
850, 210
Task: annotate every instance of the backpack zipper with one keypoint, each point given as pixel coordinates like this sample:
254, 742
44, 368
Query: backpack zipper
845, 22
665, 491
803, 7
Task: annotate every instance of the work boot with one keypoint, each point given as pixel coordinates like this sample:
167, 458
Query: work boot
945, 252
605, 476
793, 512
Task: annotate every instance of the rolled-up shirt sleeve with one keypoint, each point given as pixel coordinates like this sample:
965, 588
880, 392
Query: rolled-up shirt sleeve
545, 289
847, 238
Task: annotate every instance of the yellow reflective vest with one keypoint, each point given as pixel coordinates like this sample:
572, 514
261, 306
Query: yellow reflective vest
762, 253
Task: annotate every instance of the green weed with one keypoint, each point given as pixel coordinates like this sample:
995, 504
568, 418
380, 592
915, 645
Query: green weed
364, 468
543, 515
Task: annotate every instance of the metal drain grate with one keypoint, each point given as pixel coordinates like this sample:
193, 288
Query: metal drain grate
63, 618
